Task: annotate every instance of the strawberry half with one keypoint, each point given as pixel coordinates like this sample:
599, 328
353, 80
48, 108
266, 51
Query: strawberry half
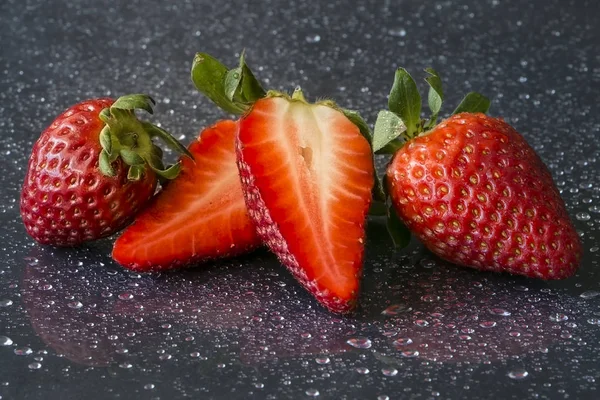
307, 175
473, 190
199, 216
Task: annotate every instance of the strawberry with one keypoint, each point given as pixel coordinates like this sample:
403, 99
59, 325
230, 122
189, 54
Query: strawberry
200, 215
92, 170
306, 173
473, 190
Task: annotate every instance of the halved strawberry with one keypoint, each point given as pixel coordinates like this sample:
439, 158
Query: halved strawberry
200, 215
307, 175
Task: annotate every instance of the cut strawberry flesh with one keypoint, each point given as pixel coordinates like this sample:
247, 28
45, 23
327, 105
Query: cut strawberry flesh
200, 215
308, 173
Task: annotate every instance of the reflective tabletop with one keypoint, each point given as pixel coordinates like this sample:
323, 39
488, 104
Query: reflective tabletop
75, 325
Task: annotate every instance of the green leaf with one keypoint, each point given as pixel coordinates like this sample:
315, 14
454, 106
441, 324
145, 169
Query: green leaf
130, 157
105, 164
435, 97
387, 128
105, 139
135, 172
233, 79
250, 89
473, 102
169, 173
135, 101
405, 100
170, 141
208, 75
398, 231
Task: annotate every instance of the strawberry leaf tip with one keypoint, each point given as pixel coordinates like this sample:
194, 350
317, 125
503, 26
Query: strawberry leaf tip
387, 128
126, 137
473, 102
405, 100
435, 97
135, 101
233, 90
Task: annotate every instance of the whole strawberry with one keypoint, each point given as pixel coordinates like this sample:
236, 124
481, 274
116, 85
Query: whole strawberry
92, 170
475, 193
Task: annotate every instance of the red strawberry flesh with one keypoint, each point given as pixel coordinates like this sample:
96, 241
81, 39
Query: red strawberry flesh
307, 175
478, 195
200, 215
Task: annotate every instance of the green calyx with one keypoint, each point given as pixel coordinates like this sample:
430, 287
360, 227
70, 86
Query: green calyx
402, 120
126, 137
233, 90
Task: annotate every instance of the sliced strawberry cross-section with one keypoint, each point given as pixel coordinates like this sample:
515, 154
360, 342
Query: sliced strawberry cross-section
200, 215
307, 175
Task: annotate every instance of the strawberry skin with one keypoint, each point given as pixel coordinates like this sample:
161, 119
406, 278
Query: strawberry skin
307, 174
476, 194
199, 216
65, 200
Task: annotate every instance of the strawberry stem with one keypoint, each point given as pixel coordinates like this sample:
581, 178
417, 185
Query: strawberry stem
298, 95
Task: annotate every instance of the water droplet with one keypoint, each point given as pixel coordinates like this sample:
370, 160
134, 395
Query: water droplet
583, 216
383, 397
430, 298
125, 365
5, 341
589, 294
389, 371
47, 286
121, 351
35, 365
75, 305
594, 209
312, 392
488, 324
125, 296
499, 311
362, 370
322, 360
397, 32
518, 374
23, 351
6, 303
594, 321
360, 343
410, 353
149, 386
259, 385
313, 38
403, 341
305, 335
396, 309
422, 323
164, 357
558, 317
